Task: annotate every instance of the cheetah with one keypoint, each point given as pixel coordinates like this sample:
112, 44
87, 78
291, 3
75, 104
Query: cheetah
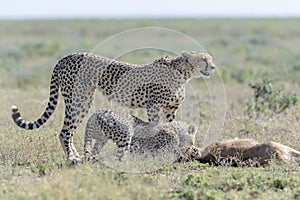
156, 86
163, 138
129, 132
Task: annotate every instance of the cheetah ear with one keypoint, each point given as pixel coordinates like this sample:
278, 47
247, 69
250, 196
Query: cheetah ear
186, 54
192, 130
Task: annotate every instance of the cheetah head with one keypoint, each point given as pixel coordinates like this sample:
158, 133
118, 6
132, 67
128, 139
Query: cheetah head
187, 137
201, 63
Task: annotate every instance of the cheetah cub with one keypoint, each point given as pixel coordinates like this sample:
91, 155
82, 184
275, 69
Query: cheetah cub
132, 134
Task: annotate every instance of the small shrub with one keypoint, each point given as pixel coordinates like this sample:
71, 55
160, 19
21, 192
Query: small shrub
187, 194
197, 181
279, 183
267, 99
297, 193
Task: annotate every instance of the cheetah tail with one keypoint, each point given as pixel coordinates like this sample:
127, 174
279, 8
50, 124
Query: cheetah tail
53, 99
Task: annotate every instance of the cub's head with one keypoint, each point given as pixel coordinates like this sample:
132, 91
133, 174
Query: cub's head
187, 136
201, 63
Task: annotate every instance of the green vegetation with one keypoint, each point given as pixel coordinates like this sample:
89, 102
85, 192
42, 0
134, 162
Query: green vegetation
32, 163
237, 183
267, 99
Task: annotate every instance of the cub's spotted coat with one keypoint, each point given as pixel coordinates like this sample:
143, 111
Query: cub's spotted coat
131, 133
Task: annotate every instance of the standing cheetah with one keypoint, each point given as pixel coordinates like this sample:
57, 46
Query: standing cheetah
159, 85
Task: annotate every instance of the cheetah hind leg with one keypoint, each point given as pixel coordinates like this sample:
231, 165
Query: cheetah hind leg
66, 136
65, 139
90, 131
74, 115
99, 144
83, 111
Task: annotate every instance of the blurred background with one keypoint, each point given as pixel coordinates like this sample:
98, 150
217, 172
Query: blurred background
56, 9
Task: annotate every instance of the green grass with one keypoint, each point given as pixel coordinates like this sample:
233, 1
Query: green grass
32, 163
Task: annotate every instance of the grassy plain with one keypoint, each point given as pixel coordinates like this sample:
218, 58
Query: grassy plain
32, 164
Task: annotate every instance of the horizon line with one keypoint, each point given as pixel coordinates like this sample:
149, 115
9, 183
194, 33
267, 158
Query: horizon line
136, 17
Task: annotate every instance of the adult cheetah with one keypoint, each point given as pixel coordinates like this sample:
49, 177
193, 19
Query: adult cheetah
159, 85
131, 133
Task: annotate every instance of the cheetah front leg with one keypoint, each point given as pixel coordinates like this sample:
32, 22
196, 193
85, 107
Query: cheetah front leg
90, 131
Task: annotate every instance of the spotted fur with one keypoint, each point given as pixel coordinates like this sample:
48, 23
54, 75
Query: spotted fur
106, 125
159, 85
131, 133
